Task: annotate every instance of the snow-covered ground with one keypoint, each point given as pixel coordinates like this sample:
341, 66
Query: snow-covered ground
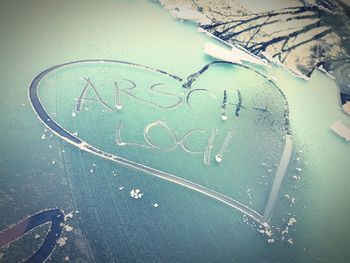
266, 5
285, 31
184, 10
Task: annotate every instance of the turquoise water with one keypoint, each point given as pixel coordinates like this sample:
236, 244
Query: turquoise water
186, 227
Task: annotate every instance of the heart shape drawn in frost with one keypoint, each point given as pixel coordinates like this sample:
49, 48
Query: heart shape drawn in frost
210, 132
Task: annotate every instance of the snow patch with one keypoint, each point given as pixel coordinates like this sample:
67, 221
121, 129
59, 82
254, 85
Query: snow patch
339, 128
68, 228
62, 241
69, 215
235, 55
346, 107
271, 240
291, 221
136, 193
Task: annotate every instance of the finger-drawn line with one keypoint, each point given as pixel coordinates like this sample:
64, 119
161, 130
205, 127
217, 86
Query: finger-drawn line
84, 146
